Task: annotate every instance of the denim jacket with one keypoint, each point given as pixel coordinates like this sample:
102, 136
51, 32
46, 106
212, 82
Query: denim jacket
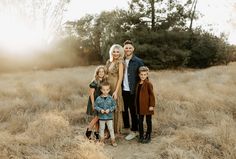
102, 103
133, 77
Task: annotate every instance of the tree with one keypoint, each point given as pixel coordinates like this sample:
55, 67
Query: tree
45, 16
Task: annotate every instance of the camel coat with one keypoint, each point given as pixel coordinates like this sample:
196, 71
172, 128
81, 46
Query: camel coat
146, 98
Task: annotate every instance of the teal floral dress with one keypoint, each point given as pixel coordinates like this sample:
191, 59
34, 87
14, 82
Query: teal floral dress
94, 84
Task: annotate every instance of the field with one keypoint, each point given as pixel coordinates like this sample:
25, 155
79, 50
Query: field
42, 116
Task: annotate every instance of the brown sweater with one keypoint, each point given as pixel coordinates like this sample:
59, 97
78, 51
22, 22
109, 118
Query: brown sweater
146, 98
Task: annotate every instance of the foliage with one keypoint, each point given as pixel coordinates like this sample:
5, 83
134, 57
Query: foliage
160, 34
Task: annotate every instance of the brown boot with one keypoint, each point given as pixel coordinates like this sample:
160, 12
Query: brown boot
113, 142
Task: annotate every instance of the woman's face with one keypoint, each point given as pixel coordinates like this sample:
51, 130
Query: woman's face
116, 53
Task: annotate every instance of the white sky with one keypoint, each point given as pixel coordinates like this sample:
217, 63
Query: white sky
217, 14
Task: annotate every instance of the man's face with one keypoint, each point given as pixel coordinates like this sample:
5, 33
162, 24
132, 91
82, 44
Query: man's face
129, 49
105, 90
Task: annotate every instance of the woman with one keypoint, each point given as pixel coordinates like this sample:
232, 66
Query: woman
115, 69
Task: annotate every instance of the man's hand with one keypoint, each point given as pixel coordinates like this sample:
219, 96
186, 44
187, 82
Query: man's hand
102, 111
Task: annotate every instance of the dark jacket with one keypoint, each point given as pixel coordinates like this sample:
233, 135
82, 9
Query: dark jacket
133, 77
146, 98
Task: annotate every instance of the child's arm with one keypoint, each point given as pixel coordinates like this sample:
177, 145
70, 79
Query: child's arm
98, 107
151, 97
91, 96
113, 105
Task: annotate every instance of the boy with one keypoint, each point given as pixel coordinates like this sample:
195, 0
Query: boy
145, 101
105, 105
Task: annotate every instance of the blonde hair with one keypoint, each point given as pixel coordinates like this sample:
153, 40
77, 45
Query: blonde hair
97, 72
121, 51
143, 69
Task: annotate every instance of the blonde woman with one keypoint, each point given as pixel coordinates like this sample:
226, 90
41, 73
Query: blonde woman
115, 70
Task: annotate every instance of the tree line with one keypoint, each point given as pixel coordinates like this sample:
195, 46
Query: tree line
160, 29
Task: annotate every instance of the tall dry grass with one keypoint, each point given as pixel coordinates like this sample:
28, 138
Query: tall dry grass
42, 114
196, 112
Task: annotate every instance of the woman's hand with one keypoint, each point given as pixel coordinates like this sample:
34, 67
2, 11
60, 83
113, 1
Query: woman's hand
114, 95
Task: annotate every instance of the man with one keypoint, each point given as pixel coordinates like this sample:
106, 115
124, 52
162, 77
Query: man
132, 64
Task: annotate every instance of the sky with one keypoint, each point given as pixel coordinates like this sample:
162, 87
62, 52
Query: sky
217, 15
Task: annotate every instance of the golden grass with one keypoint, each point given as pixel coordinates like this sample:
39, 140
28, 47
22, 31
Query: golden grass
42, 114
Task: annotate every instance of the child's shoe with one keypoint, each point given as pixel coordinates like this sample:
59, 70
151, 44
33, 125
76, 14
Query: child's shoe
96, 134
113, 143
141, 138
88, 133
147, 138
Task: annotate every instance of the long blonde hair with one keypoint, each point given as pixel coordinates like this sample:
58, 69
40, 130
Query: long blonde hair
121, 51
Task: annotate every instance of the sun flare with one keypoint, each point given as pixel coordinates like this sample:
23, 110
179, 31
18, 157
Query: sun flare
28, 26
17, 37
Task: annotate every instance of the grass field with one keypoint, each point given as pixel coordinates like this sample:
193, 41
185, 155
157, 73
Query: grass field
42, 115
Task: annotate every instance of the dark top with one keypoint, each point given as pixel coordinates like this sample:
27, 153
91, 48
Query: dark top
94, 84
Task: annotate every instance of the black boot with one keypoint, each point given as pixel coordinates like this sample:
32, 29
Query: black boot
88, 133
141, 138
96, 135
147, 138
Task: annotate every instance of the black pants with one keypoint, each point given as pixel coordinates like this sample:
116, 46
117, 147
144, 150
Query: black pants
129, 106
149, 124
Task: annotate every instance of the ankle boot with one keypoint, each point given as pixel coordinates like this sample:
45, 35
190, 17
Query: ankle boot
96, 135
88, 133
141, 138
113, 142
147, 138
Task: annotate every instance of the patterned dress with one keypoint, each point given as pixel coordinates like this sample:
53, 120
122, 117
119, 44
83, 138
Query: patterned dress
113, 75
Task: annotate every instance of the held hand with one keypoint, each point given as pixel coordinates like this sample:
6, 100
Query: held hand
102, 111
151, 108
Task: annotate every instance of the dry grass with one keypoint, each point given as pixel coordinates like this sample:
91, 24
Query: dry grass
42, 114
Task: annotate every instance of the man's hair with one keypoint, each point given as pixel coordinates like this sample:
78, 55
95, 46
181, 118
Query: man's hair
143, 69
105, 83
128, 42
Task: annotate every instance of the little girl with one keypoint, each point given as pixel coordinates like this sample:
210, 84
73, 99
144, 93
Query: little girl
94, 92
145, 102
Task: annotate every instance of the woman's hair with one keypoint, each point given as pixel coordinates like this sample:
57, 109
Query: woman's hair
143, 69
120, 48
97, 72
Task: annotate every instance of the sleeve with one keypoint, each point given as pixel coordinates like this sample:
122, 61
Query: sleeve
151, 95
97, 105
93, 85
113, 105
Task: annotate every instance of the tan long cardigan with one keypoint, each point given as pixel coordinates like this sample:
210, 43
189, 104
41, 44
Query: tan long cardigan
146, 98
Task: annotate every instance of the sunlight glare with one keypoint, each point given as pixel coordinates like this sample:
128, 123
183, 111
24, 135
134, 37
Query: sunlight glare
23, 29
16, 37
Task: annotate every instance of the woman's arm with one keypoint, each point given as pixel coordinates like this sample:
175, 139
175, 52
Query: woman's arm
119, 81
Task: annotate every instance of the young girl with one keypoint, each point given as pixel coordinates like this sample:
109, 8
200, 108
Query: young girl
145, 101
94, 92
